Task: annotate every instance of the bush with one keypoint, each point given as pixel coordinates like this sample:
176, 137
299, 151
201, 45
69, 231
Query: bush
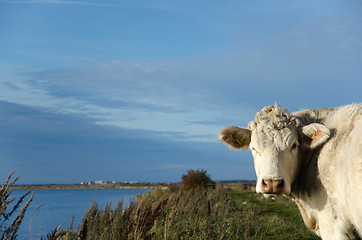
9, 230
196, 179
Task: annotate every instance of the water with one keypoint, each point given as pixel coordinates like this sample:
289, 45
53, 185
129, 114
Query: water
54, 207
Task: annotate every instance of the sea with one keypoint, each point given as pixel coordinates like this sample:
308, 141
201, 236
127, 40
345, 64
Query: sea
53, 207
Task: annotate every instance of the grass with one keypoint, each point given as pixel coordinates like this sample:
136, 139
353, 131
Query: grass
221, 212
281, 215
202, 213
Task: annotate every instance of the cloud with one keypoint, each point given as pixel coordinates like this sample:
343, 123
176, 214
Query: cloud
163, 96
299, 63
56, 148
192, 98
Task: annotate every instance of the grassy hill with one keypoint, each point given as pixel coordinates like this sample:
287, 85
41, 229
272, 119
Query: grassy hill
225, 212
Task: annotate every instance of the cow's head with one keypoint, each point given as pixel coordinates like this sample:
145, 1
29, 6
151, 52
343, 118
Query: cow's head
275, 137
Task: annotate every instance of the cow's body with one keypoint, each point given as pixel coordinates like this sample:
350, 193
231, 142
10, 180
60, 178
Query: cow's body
314, 157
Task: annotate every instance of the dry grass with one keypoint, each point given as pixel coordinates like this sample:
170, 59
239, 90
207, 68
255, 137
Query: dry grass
8, 228
202, 213
233, 212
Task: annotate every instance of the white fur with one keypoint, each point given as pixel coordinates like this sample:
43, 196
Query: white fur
274, 161
322, 174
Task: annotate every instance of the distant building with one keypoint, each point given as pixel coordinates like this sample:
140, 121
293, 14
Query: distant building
100, 182
85, 183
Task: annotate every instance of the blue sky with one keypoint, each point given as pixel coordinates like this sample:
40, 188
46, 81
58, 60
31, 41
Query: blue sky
137, 90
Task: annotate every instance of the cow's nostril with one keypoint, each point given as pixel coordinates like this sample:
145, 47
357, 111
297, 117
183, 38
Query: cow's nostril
267, 185
264, 182
273, 186
278, 185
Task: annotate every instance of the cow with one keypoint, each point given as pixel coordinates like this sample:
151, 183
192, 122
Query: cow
313, 157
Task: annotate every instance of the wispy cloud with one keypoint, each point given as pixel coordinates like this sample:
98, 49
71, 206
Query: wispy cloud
186, 98
128, 94
190, 98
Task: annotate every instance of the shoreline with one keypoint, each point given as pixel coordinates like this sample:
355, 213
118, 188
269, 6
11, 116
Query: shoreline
93, 186
243, 185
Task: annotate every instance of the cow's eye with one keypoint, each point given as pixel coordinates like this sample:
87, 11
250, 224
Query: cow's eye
294, 146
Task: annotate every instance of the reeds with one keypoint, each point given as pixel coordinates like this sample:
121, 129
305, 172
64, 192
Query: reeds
178, 213
199, 213
8, 229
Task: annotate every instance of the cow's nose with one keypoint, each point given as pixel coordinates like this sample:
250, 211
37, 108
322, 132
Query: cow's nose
272, 186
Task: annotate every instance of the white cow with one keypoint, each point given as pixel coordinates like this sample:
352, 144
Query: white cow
312, 156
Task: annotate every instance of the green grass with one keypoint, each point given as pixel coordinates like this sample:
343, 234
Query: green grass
281, 206
281, 216
202, 213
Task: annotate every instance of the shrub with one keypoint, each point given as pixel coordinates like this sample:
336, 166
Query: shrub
196, 179
9, 230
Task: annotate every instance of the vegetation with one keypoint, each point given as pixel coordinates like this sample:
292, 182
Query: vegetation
8, 229
179, 212
196, 179
193, 213
281, 216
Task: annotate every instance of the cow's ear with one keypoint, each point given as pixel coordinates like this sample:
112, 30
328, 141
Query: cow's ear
236, 138
316, 134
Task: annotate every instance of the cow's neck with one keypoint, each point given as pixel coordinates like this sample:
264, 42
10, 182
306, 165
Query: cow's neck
307, 182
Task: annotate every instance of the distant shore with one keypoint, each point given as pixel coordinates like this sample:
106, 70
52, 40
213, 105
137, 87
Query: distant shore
92, 186
232, 184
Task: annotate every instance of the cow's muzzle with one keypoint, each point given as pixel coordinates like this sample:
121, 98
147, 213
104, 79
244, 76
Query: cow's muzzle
272, 186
